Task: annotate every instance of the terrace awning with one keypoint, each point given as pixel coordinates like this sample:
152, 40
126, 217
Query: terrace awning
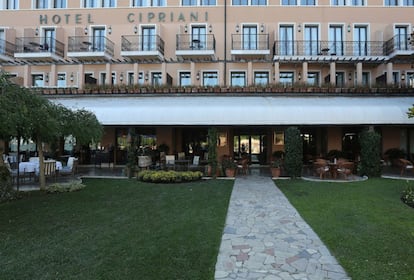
243, 110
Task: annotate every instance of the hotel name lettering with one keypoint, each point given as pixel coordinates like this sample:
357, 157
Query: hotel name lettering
149, 17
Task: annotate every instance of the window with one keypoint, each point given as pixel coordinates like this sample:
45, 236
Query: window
400, 38
286, 78
308, 3
141, 78
59, 4
336, 44
313, 78
261, 78
391, 2
49, 35
185, 79
189, 2
130, 78
108, 3
98, 40
238, 79
156, 78
37, 80
338, 2
360, 40
340, 79
210, 79
358, 2
102, 78
157, 3
365, 79
286, 45
139, 3
207, 2
2, 41
148, 41
90, 4
289, 3
249, 37
408, 3
258, 2
198, 37
240, 2
61, 80
42, 4
311, 40
9, 4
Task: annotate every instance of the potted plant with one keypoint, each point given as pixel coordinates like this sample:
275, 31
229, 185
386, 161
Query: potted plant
229, 166
275, 167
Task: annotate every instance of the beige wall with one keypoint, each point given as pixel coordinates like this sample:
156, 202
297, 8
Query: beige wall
334, 138
390, 138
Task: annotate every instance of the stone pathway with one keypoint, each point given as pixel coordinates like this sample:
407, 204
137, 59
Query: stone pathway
265, 238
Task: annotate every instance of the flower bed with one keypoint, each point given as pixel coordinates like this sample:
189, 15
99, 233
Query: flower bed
408, 196
161, 176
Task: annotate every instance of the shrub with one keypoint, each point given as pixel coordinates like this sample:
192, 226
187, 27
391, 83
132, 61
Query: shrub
161, 176
370, 164
6, 187
71, 186
408, 196
294, 152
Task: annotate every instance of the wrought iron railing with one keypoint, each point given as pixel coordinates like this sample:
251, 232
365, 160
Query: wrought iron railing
141, 43
7, 48
336, 48
190, 42
39, 45
91, 44
250, 42
398, 43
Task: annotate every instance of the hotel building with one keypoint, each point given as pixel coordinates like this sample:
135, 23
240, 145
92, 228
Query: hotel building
170, 69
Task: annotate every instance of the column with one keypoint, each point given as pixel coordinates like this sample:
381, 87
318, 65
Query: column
390, 79
108, 80
26, 76
277, 72
136, 74
193, 73
249, 78
304, 72
359, 73
164, 73
53, 76
332, 73
221, 81
81, 76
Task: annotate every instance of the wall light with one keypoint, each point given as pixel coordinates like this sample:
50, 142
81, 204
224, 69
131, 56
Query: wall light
185, 28
198, 75
299, 27
299, 76
110, 29
262, 28
71, 77
237, 28
350, 76
210, 28
86, 30
349, 28
121, 77
37, 31
146, 76
47, 77
403, 76
135, 29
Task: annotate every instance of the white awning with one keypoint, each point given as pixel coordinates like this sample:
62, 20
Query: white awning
243, 110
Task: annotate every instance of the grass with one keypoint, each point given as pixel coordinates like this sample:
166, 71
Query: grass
364, 224
115, 229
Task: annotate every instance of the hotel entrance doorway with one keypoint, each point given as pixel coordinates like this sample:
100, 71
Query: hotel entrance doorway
254, 146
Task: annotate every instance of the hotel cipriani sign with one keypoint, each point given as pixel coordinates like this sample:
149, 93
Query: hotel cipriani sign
149, 17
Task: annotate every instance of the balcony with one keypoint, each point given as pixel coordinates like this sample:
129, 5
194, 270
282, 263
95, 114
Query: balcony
39, 49
399, 47
190, 46
6, 51
142, 47
90, 48
352, 51
243, 45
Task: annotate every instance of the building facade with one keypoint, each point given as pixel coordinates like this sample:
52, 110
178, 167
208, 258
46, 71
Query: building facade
167, 70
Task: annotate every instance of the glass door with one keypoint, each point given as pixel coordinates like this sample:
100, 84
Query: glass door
360, 41
98, 43
198, 37
286, 40
336, 45
311, 40
148, 38
249, 37
49, 40
252, 146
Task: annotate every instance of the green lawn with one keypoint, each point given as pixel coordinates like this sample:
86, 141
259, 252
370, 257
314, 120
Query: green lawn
115, 229
365, 225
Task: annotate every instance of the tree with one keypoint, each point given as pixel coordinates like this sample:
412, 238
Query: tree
370, 164
293, 152
27, 115
212, 150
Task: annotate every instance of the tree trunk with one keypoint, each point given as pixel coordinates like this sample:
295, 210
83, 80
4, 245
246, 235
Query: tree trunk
42, 179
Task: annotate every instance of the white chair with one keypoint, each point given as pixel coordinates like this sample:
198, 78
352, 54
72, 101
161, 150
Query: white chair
144, 162
196, 163
170, 161
70, 168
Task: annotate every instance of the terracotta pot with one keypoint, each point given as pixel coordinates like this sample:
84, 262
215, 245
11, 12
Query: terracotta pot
275, 171
230, 172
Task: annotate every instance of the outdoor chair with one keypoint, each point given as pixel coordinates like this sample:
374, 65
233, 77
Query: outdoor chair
144, 162
345, 168
196, 164
404, 165
321, 168
50, 169
70, 168
170, 161
243, 166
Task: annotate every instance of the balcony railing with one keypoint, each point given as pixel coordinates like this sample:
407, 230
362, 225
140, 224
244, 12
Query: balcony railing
243, 42
398, 43
142, 43
39, 45
91, 44
187, 42
6, 48
332, 48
